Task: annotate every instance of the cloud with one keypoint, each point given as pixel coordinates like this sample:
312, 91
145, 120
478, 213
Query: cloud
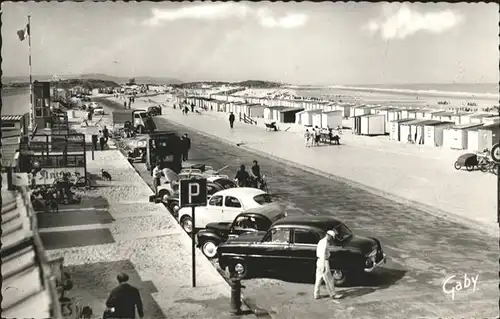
227, 10
401, 21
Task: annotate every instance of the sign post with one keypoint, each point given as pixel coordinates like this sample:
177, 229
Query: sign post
193, 192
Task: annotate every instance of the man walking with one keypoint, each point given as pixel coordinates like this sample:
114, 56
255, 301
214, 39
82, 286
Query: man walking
323, 272
102, 140
187, 146
231, 120
123, 300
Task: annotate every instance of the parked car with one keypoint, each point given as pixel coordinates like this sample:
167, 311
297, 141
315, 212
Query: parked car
98, 110
223, 206
214, 185
291, 243
154, 110
251, 220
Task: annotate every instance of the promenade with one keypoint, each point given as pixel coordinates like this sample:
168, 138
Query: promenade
418, 175
118, 230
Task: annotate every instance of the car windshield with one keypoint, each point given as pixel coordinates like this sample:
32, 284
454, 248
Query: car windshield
225, 183
343, 232
263, 199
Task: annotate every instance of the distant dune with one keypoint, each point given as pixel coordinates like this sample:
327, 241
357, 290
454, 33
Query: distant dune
93, 76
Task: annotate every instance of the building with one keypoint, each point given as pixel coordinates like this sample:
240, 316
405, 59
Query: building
26, 270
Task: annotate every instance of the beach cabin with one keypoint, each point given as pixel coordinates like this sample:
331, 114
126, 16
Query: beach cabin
422, 114
412, 114
405, 113
433, 133
361, 110
395, 129
483, 137
306, 117
417, 129
331, 119
255, 110
394, 114
316, 119
479, 118
443, 116
408, 130
384, 110
272, 113
345, 108
19, 123
461, 118
491, 120
289, 114
456, 137
372, 124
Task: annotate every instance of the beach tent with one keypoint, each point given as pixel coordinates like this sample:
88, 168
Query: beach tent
395, 129
455, 137
288, 115
433, 133
372, 124
331, 119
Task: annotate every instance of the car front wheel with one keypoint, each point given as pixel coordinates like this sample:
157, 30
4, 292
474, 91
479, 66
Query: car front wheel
187, 224
339, 277
209, 249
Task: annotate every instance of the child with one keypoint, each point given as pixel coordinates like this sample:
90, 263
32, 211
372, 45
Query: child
307, 137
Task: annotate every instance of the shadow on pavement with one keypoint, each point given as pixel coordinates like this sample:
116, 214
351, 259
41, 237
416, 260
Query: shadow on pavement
380, 279
94, 282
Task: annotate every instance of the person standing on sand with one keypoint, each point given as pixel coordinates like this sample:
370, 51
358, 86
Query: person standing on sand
307, 137
231, 120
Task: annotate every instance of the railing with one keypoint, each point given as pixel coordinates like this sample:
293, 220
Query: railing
247, 119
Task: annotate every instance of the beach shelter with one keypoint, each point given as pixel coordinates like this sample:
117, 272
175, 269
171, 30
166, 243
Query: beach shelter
256, 110
433, 133
455, 137
417, 129
461, 118
394, 114
488, 135
361, 110
479, 118
443, 116
306, 117
412, 114
331, 119
316, 120
395, 129
406, 131
289, 114
372, 124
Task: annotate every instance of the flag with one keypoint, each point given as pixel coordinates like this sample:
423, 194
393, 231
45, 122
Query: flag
22, 34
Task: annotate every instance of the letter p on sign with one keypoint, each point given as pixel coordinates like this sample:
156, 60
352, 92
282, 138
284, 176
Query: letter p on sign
193, 192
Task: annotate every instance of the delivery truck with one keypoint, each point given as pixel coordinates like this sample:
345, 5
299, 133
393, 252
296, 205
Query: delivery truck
140, 120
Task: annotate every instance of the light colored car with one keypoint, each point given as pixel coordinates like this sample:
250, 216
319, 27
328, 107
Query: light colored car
98, 110
223, 206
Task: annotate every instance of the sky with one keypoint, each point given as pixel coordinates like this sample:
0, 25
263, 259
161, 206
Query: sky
295, 43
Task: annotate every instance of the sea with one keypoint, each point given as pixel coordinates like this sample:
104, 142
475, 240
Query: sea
485, 94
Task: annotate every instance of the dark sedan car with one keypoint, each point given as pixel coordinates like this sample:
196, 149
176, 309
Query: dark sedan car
291, 243
250, 221
214, 184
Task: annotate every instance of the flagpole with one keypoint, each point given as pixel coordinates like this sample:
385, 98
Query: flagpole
32, 111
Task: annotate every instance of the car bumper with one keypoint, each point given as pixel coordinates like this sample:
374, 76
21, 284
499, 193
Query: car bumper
376, 265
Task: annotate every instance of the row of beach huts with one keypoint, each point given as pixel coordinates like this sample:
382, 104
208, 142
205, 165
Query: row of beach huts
442, 128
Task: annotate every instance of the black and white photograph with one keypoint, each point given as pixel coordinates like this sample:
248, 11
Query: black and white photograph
236, 159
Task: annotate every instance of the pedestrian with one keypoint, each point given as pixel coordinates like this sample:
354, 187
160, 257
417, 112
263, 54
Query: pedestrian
323, 272
105, 132
186, 110
313, 137
125, 104
192, 108
339, 130
102, 140
307, 138
156, 177
317, 136
124, 299
187, 146
231, 120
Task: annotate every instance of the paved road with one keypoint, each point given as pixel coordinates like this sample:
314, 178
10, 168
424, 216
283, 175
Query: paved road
423, 250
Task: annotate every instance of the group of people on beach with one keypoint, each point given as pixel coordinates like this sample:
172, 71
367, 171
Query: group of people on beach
313, 137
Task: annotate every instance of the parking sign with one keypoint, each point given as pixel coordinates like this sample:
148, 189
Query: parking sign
193, 192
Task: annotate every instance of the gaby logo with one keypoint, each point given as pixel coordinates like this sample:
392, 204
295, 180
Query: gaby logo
455, 284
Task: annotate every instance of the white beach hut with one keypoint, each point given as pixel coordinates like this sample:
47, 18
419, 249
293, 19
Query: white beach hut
371, 124
316, 119
306, 117
479, 118
483, 137
443, 116
455, 137
434, 133
491, 120
289, 114
412, 114
361, 110
256, 110
408, 130
395, 129
331, 119
394, 114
